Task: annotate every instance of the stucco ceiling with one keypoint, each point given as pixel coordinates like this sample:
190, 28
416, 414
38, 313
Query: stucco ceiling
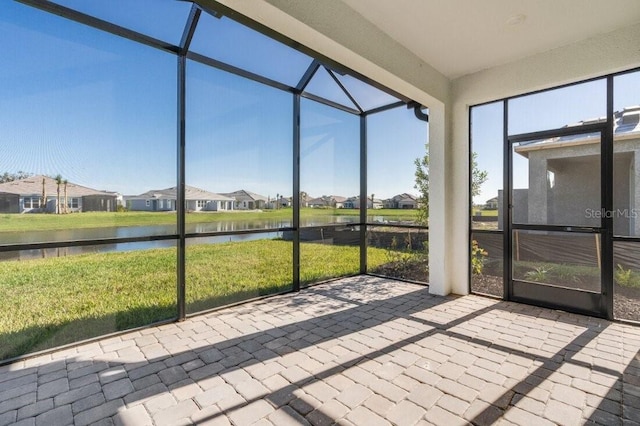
459, 37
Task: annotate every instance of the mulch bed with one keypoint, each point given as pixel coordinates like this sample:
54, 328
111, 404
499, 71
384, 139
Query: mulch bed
626, 301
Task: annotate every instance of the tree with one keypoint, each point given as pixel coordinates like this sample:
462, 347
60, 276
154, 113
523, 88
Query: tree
66, 205
478, 177
422, 185
10, 177
58, 179
43, 204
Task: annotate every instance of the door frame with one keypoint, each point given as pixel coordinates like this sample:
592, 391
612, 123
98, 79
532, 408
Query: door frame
573, 300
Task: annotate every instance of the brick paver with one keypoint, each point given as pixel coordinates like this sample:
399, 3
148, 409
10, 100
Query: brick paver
361, 350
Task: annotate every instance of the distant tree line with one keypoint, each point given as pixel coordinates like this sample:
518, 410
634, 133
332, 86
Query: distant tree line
10, 177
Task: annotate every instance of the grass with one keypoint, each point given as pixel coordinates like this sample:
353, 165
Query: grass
54, 301
43, 222
482, 212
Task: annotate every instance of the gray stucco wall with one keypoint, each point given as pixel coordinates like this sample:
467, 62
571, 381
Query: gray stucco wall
520, 206
138, 205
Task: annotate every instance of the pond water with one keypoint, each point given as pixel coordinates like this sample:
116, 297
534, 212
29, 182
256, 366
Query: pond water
83, 234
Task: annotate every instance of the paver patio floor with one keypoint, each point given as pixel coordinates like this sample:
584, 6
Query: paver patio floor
362, 350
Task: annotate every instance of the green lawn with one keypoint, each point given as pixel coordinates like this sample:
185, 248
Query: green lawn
482, 212
40, 222
53, 301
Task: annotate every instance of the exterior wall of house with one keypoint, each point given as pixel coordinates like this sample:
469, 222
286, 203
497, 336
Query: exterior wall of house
624, 194
520, 203
407, 204
139, 205
210, 205
574, 198
249, 205
26, 205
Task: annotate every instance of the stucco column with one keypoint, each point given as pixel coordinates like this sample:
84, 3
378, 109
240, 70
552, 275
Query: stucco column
448, 206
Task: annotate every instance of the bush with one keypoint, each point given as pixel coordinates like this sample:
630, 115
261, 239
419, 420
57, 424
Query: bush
478, 255
626, 277
539, 274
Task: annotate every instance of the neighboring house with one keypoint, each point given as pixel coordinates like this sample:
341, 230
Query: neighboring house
563, 187
491, 204
165, 200
354, 203
327, 201
26, 196
401, 201
278, 203
245, 200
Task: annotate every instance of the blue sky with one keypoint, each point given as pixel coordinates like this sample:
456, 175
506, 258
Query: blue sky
101, 110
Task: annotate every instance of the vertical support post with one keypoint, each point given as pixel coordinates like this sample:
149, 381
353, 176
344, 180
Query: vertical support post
180, 196
507, 203
185, 42
296, 192
606, 189
363, 194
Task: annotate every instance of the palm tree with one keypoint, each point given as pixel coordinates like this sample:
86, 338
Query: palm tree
58, 179
66, 206
43, 204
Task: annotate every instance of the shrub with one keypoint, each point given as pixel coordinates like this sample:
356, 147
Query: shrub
624, 277
539, 274
478, 255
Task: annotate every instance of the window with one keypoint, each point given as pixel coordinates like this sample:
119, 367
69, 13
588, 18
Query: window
32, 202
73, 203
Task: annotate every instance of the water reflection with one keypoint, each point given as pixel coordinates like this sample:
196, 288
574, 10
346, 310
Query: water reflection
85, 234
123, 247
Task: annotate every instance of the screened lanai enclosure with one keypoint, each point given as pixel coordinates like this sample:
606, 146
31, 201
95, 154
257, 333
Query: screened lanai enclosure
556, 219
242, 165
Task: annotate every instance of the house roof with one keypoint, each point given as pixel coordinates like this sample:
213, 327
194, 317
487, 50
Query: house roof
325, 199
191, 193
626, 125
357, 198
242, 195
404, 197
32, 186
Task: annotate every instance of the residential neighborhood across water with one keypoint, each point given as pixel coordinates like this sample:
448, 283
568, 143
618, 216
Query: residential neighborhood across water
45, 194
